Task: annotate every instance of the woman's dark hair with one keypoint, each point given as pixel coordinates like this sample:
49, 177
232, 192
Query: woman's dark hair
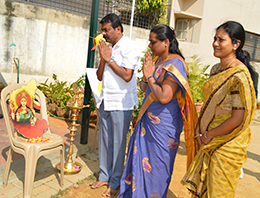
113, 19
237, 34
165, 32
254, 74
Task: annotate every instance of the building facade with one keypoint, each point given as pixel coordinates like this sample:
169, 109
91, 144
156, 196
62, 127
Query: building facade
195, 22
53, 38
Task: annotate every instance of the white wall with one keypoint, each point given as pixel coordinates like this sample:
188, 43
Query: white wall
50, 41
216, 12
47, 42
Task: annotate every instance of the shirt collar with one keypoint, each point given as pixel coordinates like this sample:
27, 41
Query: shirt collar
120, 42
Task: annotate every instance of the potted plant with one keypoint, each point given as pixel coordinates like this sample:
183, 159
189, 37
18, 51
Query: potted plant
57, 93
92, 108
258, 105
197, 78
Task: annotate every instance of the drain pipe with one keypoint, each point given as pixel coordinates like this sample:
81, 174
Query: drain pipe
17, 61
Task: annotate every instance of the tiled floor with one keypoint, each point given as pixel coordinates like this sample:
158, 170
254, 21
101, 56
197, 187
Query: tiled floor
57, 126
46, 181
47, 177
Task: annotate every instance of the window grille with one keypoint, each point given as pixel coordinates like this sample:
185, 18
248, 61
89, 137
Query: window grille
80, 7
123, 8
182, 29
252, 45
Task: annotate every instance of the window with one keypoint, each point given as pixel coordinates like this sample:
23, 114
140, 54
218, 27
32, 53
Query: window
252, 45
182, 29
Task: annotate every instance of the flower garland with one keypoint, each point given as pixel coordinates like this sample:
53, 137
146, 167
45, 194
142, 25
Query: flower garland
38, 140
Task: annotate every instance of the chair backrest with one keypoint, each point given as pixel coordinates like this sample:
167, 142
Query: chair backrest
5, 96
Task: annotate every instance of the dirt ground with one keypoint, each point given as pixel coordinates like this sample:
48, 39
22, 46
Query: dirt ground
248, 187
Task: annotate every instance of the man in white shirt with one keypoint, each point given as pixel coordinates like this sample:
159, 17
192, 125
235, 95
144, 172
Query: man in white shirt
117, 71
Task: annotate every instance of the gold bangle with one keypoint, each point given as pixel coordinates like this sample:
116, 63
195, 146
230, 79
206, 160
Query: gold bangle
197, 135
205, 135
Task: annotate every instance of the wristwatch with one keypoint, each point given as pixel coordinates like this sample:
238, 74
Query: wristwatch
111, 60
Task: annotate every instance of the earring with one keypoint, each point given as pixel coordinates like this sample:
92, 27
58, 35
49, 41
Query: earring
166, 45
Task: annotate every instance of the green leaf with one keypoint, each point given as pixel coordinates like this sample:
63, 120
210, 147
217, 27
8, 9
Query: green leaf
197, 77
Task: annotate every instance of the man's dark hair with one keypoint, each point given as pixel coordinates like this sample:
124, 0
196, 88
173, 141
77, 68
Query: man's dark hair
113, 19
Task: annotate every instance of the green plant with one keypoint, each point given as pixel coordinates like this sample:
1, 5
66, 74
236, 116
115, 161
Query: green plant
197, 77
142, 62
57, 92
2, 85
92, 177
140, 93
81, 81
60, 193
154, 9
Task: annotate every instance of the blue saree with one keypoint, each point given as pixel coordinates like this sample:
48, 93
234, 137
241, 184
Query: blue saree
154, 143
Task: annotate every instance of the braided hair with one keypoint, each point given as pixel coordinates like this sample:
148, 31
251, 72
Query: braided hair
165, 32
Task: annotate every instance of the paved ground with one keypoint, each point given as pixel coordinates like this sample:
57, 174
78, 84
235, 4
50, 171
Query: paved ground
46, 181
47, 177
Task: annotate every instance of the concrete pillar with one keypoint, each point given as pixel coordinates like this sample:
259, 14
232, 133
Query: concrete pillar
172, 17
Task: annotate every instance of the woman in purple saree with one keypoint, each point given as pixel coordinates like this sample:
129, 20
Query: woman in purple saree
167, 107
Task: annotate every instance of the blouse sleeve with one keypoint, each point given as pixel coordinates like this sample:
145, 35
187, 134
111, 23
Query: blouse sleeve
214, 69
236, 98
170, 78
233, 100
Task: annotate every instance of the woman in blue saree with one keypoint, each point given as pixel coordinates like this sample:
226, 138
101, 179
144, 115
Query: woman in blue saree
167, 107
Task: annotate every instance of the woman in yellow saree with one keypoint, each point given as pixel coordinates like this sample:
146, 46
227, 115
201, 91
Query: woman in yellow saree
223, 132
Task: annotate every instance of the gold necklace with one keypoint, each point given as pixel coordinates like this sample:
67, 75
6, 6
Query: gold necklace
161, 61
220, 70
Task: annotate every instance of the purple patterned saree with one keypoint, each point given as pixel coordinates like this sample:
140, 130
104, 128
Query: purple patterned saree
154, 143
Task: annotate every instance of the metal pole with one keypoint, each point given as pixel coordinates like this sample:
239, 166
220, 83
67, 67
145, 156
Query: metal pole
90, 63
132, 19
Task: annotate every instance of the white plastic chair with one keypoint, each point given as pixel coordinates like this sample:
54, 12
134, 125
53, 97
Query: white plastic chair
31, 151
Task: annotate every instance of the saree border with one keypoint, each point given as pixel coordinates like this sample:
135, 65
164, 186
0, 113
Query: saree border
191, 181
186, 104
207, 120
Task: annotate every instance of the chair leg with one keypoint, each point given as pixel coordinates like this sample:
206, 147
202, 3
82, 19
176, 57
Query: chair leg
61, 166
30, 169
7, 165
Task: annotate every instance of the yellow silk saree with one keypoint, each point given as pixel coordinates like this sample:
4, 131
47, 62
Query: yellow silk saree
215, 170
